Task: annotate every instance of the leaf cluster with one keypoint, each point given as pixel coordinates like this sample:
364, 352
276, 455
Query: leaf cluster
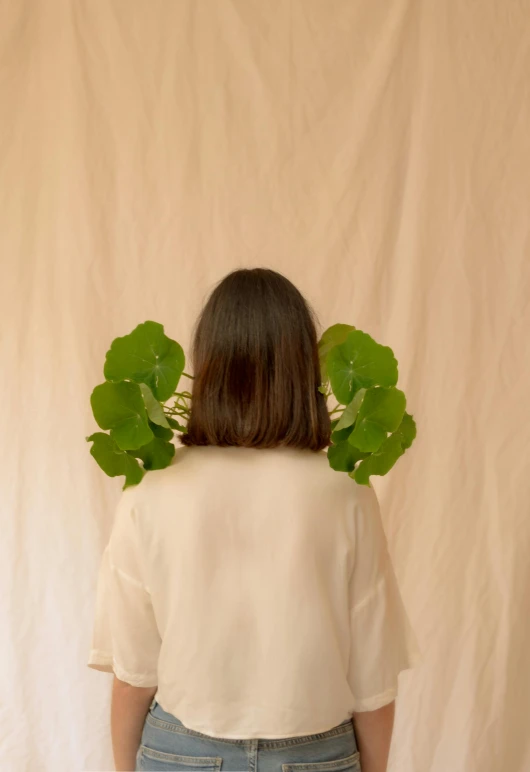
139, 408
370, 426
138, 404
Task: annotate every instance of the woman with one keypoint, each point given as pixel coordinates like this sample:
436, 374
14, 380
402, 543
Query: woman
246, 603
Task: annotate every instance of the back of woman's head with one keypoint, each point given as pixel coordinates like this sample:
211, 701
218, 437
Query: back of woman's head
256, 368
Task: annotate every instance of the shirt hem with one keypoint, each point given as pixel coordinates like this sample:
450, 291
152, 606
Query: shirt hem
375, 702
100, 660
253, 736
105, 662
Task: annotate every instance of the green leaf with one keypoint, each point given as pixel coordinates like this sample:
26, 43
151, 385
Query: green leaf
175, 424
160, 431
330, 338
341, 434
113, 460
406, 431
154, 409
120, 408
359, 362
156, 455
379, 462
349, 414
381, 411
343, 456
147, 356
383, 460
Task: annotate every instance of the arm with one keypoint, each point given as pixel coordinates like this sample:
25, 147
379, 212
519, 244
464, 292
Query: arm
129, 706
382, 643
373, 730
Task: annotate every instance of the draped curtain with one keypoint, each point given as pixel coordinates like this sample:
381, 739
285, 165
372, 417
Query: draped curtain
376, 153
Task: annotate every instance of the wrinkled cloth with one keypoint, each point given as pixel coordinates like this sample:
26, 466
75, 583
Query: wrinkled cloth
254, 588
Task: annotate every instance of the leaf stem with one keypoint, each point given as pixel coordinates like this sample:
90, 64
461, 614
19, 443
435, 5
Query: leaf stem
183, 412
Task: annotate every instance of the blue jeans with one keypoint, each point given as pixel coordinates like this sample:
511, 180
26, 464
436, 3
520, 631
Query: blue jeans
168, 745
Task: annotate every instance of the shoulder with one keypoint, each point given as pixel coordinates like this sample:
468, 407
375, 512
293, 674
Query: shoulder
343, 482
308, 470
157, 480
339, 489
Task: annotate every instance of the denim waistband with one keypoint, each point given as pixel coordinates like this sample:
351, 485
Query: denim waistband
173, 724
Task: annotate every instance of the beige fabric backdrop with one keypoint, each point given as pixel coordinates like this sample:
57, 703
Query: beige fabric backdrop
377, 153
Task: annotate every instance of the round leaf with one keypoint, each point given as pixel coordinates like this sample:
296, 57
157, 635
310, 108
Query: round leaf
161, 431
406, 431
175, 424
148, 356
379, 462
154, 409
113, 460
343, 456
381, 411
156, 455
359, 362
330, 338
349, 414
341, 434
120, 408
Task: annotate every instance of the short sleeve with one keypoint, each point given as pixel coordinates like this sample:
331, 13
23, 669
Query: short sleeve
382, 642
125, 637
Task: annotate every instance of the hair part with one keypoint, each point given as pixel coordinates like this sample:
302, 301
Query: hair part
256, 367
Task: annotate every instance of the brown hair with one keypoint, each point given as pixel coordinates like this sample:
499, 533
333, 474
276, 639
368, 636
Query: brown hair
256, 367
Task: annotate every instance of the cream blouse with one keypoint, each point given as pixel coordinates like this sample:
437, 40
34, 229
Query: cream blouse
254, 588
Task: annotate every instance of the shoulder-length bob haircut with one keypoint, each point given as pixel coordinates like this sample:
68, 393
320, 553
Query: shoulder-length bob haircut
256, 367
